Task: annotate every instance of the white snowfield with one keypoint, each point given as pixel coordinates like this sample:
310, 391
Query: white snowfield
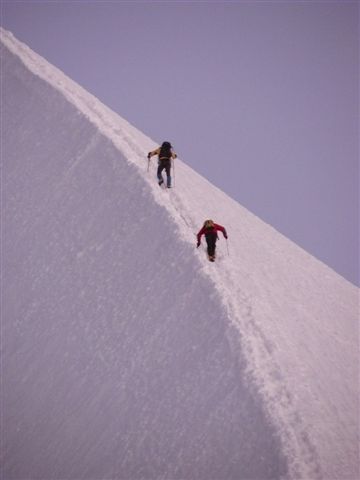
125, 353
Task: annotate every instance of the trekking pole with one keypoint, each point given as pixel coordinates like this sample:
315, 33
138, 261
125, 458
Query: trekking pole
227, 246
148, 167
174, 169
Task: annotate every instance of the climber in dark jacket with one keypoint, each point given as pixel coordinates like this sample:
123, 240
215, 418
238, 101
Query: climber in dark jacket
210, 230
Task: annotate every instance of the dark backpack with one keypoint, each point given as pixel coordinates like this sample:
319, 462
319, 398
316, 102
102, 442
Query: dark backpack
165, 151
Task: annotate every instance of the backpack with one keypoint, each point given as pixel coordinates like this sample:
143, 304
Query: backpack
165, 151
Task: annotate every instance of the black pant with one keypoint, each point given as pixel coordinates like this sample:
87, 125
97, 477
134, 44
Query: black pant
164, 164
211, 243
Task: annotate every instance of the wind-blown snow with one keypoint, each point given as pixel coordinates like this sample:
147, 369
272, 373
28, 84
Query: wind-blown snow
125, 353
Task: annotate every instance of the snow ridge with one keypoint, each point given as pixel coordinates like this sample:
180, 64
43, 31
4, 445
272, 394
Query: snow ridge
295, 318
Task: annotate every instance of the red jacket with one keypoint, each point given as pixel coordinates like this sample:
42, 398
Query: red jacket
212, 231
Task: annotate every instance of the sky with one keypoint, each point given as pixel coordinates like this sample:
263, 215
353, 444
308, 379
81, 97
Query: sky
261, 98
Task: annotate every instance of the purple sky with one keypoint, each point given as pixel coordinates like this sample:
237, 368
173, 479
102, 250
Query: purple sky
259, 97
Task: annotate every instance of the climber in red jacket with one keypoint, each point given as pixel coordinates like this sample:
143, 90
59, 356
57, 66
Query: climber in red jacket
210, 230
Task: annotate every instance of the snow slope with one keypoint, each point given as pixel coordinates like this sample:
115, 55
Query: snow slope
125, 353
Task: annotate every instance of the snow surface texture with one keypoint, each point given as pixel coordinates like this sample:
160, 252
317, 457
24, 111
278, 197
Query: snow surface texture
125, 353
